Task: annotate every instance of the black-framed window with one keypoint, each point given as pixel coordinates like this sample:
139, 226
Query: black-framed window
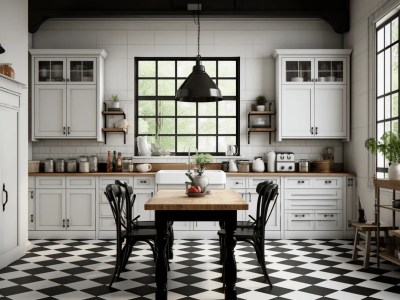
180, 126
387, 84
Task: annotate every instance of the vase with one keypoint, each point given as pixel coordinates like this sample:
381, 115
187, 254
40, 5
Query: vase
258, 165
394, 171
260, 107
201, 180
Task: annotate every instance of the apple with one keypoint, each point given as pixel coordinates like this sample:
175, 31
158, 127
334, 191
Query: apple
194, 189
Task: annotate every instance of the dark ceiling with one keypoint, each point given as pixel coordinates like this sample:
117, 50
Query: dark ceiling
335, 12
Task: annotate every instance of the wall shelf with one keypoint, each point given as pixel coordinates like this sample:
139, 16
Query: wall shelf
107, 113
268, 127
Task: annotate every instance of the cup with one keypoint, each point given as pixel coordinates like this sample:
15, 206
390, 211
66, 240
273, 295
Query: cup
231, 150
143, 168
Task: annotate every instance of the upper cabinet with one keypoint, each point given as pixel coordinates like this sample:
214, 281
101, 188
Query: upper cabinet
313, 94
68, 93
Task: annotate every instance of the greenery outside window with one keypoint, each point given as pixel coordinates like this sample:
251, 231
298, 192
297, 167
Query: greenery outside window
178, 126
387, 84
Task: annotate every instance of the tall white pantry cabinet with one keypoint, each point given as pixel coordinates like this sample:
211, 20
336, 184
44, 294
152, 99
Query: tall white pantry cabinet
13, 172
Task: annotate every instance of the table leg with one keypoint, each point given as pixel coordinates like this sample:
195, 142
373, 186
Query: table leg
230, 261
161, 261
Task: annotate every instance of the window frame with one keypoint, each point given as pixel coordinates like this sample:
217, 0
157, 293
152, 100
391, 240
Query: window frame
236, 98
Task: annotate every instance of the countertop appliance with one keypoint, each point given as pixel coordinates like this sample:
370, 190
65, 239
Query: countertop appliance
285, 162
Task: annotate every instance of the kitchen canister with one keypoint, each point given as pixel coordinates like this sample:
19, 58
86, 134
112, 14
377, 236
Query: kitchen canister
71, 165
127, 164
93, 163
271, 157
83, 164
304, 165
49, 165
258, 165
60, 163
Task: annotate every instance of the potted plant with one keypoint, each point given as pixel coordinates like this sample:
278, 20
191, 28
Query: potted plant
201, 160
114, 101
389, 147
261, 100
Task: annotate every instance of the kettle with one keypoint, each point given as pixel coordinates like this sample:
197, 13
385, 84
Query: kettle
258, 165
143, 146
232, 166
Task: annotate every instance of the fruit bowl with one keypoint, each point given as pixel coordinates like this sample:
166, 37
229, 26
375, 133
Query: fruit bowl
202, 194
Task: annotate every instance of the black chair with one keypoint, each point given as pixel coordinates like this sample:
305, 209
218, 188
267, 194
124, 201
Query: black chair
128, 234
255, 235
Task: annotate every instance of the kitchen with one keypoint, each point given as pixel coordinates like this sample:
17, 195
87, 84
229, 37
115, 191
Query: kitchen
254, 41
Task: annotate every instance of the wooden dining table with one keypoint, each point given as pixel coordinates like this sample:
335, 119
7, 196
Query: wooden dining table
175, 205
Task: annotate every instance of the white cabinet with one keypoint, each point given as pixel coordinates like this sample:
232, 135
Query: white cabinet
31, 209
313, 207
69, 83
64, 204
313, 89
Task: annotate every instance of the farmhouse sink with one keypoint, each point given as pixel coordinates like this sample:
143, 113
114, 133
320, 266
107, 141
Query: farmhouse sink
179, 177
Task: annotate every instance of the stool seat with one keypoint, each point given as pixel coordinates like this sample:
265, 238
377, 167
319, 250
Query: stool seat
363, 230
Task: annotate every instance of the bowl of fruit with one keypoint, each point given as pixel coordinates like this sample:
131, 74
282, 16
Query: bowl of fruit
194, 191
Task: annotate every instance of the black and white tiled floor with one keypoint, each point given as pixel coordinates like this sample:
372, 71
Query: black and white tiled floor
299, 269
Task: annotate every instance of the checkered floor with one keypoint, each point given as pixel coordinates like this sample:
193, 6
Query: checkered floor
299, 269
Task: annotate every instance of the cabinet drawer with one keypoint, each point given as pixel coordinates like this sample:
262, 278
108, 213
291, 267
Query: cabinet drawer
31, 182
313, 204
313, 194
236, 182
81, 182
105, 211
253, 182
9, 98
299, 221
104, 181
328, 220
328, 182
300, 183
56, 182
144, 182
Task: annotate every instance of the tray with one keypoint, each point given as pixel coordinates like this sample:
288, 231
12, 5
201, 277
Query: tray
196, 195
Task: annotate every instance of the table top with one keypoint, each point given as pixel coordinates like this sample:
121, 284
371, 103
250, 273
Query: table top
227, 199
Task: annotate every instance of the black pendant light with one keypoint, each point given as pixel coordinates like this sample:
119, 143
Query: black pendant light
2, 50
198, 87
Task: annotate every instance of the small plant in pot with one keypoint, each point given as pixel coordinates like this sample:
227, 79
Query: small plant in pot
389, 147
200, 180
261, 101
114, 101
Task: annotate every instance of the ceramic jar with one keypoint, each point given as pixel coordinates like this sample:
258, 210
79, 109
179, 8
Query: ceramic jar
271, 156
258, 165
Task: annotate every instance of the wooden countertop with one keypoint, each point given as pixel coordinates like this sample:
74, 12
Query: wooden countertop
177, 200
228, 174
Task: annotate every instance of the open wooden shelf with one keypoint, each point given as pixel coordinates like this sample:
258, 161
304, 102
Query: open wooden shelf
113, 130
107, 113
113, 113
390, 207
251, 129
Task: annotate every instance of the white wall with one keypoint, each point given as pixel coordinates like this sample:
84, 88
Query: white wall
253, 40
357, 158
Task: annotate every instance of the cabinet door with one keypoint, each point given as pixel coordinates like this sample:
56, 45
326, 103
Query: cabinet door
50, 209
142, 196
31, 209
297, 70
9, 179
81, 208
297, 111
81, 70
81, 111
50, 108
50, 70
330, 70
330, 111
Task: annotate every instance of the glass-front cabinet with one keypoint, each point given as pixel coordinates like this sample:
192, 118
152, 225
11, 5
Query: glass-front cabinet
310, 70
58, 70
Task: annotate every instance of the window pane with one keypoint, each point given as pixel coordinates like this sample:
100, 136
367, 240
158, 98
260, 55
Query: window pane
147, 108
380, 74
395, 105
166, 87
147, 69
207, 144
207, 126
166, 69
207, 109
226, 126
211, 68
395, 30
227, 87
166, 108
395, 126
185, 68
147, 126
167, 143
186, 126
186, 142
380, 39
166, 125
186, 108
387, 108
387, 71
227, 69
147, 87
226, 108
387, 35
395, 67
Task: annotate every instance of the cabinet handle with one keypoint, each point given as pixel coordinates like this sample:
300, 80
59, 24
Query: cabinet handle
143, 181
237, 182
67, 222
63, 223
328, 181
68, 130
300, 181
301, 216
5, 191
249, 196
316, 130
312, 130
331, 215
64, 130
32, 218
152, 194
31, 194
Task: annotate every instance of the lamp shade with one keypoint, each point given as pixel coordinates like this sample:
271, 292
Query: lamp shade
198, 87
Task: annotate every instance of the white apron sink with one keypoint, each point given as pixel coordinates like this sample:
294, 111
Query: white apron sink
179, 177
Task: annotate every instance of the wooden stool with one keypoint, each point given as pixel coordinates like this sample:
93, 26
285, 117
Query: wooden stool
364, 230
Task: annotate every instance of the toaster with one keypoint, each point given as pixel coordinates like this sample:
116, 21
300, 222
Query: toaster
285, 162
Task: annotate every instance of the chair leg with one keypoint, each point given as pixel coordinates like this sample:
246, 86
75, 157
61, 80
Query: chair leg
118, 261
261, 260
127, 253
355, 246
170, 241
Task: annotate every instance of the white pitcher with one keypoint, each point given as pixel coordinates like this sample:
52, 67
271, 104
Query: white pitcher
232, 166
143, 146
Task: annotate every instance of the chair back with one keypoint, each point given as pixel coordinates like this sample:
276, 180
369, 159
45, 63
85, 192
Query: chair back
269, 195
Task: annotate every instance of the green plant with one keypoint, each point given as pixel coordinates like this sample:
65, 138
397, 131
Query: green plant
388, 145
261, 100
201, 160
114, 98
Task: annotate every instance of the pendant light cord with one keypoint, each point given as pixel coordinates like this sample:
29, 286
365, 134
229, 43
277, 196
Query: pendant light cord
197, 22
